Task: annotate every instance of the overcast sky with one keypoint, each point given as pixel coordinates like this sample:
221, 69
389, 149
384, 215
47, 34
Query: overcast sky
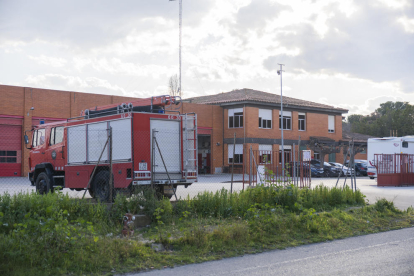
350, 54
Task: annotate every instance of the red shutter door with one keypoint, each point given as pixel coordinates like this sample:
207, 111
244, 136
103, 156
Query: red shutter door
10, 150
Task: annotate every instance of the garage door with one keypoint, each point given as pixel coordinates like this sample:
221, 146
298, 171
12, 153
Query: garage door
10, 150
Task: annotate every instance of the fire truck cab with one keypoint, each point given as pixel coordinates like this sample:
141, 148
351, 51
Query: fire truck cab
141, 142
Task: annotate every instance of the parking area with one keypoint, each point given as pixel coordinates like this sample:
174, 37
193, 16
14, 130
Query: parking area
403, 197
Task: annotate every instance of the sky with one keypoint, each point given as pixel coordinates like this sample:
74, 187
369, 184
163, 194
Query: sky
349, 54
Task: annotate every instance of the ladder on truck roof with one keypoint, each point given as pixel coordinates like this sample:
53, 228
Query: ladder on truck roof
155, 104
190, 154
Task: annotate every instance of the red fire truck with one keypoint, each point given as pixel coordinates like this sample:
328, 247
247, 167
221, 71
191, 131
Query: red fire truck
141, 142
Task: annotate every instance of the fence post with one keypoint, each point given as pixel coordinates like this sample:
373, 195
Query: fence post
232, 163
152, 158
294, 165
111, 183
250, 165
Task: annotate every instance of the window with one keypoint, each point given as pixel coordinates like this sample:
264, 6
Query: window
287, 120
8, 156
331, 124
56, 135
38, 137
405, 144
265, 154
302, 122
238, 153
265, 118
287, 150
235, 117
316, 156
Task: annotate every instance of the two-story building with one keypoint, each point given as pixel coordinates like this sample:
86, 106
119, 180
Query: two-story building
254, 117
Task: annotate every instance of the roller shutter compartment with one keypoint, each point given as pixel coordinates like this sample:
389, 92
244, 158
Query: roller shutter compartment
10, 150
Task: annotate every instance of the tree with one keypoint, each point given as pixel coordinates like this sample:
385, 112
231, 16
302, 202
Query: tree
173, 86
390, 116
323, 147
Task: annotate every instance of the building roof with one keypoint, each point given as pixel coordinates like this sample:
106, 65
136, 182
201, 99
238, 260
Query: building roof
347, 135
255, 96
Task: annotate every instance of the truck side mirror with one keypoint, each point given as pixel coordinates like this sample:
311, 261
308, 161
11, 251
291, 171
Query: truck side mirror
26, 139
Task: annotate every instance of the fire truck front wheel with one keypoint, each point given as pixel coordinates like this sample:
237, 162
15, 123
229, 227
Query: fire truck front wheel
43, 184
101, 186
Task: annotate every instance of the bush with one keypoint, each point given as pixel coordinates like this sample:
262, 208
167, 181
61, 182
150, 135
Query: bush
222, 204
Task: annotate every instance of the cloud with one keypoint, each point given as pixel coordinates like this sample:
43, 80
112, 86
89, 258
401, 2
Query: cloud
86, 24
50, 61
338, 52
73, 83
369, 44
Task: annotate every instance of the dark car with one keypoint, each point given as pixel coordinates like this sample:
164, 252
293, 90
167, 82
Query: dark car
328, 169
361, 168
316, 171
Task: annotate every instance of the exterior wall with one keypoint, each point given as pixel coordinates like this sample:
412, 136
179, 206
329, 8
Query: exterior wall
210, 117
316, 125
17, 101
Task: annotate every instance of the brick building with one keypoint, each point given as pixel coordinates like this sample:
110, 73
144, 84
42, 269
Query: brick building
252, 115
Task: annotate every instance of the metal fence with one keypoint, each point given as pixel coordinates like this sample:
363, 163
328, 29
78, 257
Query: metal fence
264, 167
394, 169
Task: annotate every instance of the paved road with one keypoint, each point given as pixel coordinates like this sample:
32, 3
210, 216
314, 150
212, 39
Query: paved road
389, 253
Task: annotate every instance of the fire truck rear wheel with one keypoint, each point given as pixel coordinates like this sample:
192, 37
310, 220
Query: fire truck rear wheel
43, 184
101, 186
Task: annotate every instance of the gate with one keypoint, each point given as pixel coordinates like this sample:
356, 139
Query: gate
263, 167
394, 169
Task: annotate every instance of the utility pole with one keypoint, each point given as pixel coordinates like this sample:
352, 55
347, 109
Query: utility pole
180, 2
279, 72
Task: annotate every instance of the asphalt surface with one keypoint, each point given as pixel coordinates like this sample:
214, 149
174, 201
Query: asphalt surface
388, 253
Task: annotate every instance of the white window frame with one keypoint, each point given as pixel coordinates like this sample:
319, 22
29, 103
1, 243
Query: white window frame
331, 124
232, 114
238, 151
265, 118
302, 120
265, 150
287, 116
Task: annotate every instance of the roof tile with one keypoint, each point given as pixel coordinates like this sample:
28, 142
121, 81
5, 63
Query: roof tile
246, 94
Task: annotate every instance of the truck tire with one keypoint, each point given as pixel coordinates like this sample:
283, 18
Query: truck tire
101, 186
43, 184
90, 190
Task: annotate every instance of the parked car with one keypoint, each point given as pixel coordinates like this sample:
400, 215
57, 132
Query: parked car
316, 171
361, 168
345, 170
371, 170
328, 169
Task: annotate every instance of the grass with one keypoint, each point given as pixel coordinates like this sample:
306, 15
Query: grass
58, 235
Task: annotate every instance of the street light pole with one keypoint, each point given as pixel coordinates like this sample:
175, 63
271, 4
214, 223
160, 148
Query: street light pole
279, 72
180, 2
